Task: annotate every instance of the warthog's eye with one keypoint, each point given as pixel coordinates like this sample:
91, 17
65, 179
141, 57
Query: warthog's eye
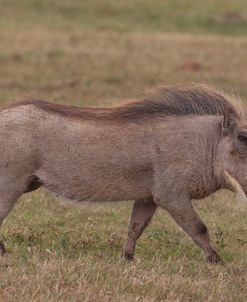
242, 137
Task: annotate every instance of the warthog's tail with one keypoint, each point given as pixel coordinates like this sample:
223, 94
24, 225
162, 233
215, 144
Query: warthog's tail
237, 188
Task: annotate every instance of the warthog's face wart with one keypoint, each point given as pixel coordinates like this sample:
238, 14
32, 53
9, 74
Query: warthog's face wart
233, 151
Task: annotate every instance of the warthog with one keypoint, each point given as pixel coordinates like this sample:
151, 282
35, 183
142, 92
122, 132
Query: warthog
175, 145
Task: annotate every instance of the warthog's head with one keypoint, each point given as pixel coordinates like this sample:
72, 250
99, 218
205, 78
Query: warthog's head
232, 152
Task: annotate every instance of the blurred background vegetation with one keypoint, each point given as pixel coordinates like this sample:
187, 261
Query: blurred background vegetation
140, 15
99, 51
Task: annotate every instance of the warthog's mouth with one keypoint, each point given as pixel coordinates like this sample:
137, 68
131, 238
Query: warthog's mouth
236, 187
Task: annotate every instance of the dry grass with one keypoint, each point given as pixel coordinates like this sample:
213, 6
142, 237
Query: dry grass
60, 252
70, 253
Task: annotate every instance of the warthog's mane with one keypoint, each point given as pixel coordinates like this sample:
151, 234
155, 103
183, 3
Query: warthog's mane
164, 101
188, 100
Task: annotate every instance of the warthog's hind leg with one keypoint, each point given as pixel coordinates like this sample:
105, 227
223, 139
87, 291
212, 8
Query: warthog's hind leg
7, 201
2, 248
142, 213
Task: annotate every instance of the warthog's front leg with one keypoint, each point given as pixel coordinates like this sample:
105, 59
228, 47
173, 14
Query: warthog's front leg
142, 213
185, 215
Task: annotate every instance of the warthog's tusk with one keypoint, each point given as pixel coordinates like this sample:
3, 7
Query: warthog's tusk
237, 188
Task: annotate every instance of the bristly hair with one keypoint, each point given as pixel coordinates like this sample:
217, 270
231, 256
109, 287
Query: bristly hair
164, 101
183, 101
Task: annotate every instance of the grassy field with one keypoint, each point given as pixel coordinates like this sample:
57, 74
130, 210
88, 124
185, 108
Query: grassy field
101, 53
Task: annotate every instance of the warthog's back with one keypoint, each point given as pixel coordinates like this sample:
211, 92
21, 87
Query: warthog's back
82, 159
95, 160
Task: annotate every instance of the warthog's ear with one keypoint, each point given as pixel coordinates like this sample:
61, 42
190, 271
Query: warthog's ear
229, 120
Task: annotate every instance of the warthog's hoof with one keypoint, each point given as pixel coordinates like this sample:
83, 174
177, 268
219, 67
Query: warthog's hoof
215, 259
128, 250
129, 257
2, 249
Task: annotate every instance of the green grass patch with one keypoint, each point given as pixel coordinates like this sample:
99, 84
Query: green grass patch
228, 17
